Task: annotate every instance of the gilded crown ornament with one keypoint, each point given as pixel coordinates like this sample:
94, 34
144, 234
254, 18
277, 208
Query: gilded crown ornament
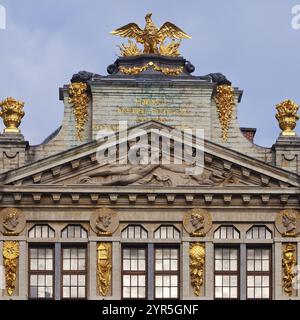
151, 37
287, 117
12, 114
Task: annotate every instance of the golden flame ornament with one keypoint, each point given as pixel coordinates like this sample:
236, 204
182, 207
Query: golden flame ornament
12, 114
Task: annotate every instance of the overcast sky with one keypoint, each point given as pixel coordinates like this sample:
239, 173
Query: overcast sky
250, 41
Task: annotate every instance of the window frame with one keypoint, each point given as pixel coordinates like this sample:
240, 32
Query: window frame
130, 272
228, 273
260, 273
169, 272
41, 272
73, 272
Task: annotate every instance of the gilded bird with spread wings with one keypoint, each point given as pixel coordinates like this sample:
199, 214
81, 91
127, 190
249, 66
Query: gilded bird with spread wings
151, 37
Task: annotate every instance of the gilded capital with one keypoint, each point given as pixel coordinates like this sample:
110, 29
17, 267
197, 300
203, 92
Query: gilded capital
287, 117
12, 114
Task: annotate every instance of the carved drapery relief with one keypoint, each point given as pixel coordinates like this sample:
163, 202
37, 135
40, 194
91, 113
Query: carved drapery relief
104, 267
10, 254
288, 264
12, 221
287, 223
197, 266
197, 222
104, 221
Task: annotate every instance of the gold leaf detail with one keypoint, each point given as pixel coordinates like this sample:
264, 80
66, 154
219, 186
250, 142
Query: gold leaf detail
225, 103
197, 265
79, 99
11, 253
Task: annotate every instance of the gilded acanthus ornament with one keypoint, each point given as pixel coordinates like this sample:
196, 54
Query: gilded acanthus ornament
153, 38
79, 99
11, 254
225, 103
104, 267
287, 117
165, 70
288, 264
12, 114
197, 266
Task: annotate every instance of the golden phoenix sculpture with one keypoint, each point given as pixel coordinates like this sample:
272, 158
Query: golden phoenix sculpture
151, 37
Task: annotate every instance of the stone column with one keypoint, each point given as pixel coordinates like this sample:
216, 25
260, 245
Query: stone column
243, 268
116, 271
23, 272
277, 272
92, 294
185, 271
209, 270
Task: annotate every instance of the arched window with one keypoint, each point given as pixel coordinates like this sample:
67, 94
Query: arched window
134, 232
166, 232
227, 232
41, 231
259, 232
74, 231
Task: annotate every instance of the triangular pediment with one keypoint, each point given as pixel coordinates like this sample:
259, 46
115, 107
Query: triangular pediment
88, 165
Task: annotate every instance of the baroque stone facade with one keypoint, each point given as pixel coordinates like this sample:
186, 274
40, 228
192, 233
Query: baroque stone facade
75, 224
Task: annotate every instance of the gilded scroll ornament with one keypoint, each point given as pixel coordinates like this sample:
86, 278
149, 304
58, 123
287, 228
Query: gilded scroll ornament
197, 266
288, 264
287, 117
79, 100
225, 103
153, 38
104, 267
165, 70
12, 114
11, 254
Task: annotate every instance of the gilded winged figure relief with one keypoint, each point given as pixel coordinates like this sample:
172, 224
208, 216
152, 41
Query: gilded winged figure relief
153, 38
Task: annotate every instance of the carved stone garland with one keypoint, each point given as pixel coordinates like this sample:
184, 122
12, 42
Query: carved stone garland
104, 267
79, 99
288, 264
197, 265
11, 252
225, 103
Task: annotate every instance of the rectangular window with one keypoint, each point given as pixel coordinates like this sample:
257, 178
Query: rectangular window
74, 272
259, 273
166, 272
134, 272
226, 273
41, 272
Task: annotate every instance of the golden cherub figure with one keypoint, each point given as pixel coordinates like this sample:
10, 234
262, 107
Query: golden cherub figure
151, 37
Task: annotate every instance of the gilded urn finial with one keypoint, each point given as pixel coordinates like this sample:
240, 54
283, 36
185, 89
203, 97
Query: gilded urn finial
12, 114
287, 117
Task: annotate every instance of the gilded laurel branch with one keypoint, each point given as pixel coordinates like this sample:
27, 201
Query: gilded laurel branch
288, 264
197, 266
11, 254
225, 103
79, 99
